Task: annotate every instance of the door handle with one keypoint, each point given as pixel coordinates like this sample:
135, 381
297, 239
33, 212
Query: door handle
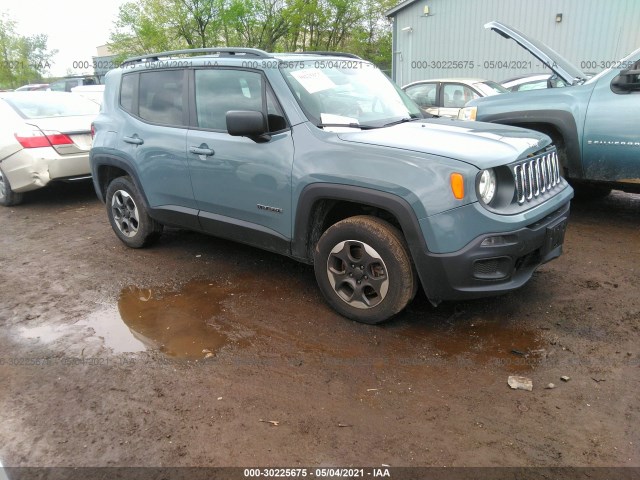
135, 140
202, 150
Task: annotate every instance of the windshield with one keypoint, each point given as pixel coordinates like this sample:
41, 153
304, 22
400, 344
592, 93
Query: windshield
490, 88
347, 92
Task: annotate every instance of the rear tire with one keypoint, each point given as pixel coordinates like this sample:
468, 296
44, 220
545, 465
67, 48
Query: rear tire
128, 215
364, 270
7, 196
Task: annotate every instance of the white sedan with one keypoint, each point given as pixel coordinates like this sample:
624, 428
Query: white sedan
530, 82
445, 97
44, 136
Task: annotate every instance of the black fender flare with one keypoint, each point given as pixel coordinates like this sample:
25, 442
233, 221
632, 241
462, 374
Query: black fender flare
109, 160
397, 206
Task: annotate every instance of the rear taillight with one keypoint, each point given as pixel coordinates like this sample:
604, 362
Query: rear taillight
93, 130
37, 138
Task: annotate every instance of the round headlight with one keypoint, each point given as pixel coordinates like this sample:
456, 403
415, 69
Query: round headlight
487, 185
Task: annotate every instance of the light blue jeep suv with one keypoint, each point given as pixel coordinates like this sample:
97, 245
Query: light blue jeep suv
322, 158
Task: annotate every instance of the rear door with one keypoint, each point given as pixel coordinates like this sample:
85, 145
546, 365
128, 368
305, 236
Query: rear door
425, 95
454, 97
155, 135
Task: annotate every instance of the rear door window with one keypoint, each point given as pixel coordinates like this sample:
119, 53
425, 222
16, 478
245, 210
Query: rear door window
455, 95
424, 94
161, 97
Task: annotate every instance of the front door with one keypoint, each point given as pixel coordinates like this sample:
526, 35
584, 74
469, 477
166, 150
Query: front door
243, 188
611, 141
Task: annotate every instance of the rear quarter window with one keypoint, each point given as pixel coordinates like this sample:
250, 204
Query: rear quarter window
128, 92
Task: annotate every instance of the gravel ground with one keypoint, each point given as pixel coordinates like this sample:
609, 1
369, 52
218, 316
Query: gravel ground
203, 352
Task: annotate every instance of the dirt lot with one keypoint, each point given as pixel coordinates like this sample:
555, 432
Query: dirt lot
288, 382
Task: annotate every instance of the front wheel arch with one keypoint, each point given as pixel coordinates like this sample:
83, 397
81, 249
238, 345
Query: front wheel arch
559, 125
307, 229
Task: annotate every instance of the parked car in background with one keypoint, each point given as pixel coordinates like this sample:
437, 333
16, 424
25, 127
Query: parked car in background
445, 97
535, 82
95, 93
593, 121
67, 83
529, 82
33, 87
44, 136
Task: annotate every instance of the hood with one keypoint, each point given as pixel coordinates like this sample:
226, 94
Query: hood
552, 59
483, 145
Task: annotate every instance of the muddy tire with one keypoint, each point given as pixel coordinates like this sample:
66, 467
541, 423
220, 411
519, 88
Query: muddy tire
7, 196
586, 191
128, 215
364, 270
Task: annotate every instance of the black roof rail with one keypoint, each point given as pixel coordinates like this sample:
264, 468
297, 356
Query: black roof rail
329, 54
222, 51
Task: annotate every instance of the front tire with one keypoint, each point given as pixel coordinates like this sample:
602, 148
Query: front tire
128, 215
364, 270
588, 191
7, 196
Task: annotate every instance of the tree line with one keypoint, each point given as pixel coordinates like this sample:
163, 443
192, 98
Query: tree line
147, 26
23, 59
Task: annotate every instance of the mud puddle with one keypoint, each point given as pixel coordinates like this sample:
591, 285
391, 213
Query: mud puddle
479, 340
190, 323
108, 325
199, 319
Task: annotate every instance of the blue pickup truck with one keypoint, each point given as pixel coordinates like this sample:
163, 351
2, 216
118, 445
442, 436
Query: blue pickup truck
594, 122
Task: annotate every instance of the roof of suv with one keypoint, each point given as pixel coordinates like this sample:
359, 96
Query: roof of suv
234, 53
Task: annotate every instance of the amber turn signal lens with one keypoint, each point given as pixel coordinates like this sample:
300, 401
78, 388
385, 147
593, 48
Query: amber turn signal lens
457, 185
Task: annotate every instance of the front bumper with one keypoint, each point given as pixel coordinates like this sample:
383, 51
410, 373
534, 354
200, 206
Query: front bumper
487, 267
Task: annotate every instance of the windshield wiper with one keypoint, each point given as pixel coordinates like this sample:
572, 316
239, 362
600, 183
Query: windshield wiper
346, 125
402, 120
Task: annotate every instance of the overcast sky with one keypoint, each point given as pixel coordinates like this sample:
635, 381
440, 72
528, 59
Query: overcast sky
74, 27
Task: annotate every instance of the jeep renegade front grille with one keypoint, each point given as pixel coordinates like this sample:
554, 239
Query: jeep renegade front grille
536, 176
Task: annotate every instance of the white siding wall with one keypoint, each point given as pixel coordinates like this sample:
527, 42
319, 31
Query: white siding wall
591, 30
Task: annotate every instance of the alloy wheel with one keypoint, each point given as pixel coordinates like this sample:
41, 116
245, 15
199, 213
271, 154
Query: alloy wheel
358, 274
125, 213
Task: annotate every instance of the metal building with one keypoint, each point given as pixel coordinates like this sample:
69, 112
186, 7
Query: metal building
447, 38
103, 61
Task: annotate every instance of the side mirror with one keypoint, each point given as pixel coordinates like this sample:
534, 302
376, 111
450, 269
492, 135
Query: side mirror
247, 123
626, 81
